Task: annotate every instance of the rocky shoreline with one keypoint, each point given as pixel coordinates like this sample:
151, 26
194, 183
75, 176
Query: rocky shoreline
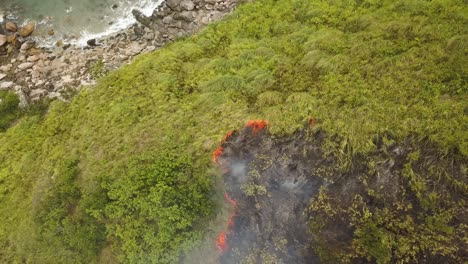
34, 73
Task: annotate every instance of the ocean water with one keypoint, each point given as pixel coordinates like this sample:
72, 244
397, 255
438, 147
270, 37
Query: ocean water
74, 21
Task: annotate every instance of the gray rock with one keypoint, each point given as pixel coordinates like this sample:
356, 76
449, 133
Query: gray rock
174, 4
140, 17
6, 85
27, 45
25, 65
187, 5
37, 94
2, 76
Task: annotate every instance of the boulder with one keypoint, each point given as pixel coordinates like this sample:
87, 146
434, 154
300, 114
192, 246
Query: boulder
3, 40
187, 5
27, 45
6, 85
140, 17
10, 26
25, 65
27, 30
174, 4
92, 42
2, 76
11, 39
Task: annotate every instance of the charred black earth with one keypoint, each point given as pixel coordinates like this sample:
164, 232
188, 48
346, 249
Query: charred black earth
296, 204
272, 180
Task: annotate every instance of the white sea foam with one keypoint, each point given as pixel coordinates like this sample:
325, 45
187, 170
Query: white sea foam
124, 21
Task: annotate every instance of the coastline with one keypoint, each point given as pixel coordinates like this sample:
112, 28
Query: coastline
34, 72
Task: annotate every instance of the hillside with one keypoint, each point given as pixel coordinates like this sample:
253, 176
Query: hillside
124, 172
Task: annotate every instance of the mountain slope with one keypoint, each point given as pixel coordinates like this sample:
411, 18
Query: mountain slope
122, 172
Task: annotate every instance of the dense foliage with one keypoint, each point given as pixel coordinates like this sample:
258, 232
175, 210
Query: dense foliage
120, 172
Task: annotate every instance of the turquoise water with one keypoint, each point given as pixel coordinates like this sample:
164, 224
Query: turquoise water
75, 20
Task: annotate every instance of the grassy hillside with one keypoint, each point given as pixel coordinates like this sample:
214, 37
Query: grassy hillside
122, 171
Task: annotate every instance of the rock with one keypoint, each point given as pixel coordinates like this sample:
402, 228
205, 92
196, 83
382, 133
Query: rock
2, 76
66, 46
149, 36
6, 68
25, 65
11, 39
33, 58
173, 4
27, 45
133, 49
59, 43
139, 31
10, 26
22, 97
51, 32
3, 40
67, 79
187, 5
92, 42
114, 6
27, 30
37, 94
167, 20
140, 17
6, 85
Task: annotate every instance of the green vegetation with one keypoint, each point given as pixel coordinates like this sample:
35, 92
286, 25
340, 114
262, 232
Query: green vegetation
8, 109
121, 172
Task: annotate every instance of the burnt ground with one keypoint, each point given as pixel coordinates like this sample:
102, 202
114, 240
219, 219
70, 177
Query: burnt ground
272, 180
415, 196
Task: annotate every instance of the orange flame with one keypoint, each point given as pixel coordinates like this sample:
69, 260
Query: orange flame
227, 136
217, 153
256, 125
221, 243
230, 200
231, 221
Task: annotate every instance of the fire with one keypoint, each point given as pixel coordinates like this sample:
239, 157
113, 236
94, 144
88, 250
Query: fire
217, 153
227, 136
230, 200
221, 243
256, 125
231, 221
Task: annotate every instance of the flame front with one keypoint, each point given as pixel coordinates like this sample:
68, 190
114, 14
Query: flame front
230, 200
217, 153
257, 125
221, 243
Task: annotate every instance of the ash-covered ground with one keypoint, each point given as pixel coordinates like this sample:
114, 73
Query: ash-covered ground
272, 180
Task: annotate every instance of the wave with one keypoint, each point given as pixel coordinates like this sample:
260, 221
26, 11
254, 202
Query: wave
145, 6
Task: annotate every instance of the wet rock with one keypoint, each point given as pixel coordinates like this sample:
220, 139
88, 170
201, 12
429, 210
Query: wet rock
139, 31
140, 17
114, 6
27, 30
27, 45
10, 26
92, 43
